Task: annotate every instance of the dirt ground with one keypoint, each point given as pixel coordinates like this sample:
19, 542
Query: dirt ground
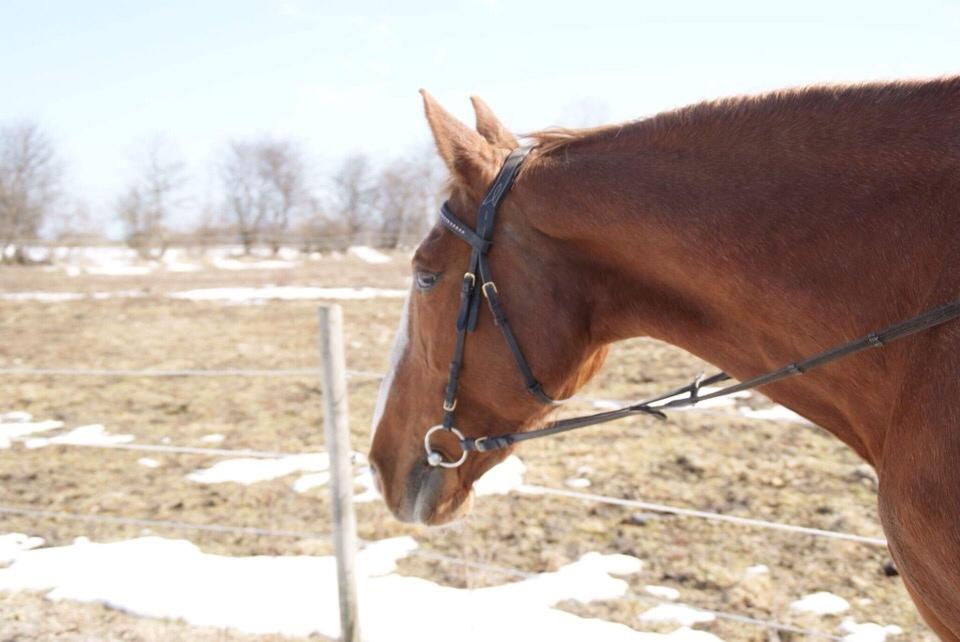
716, 461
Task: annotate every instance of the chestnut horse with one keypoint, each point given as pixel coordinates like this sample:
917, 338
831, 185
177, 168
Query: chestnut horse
750, 232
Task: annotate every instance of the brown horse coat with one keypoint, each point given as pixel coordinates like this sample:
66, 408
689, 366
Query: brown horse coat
749, 232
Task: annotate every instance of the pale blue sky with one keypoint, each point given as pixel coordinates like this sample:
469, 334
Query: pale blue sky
343, 76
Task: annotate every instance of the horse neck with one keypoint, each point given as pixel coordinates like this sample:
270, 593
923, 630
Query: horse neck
754, 253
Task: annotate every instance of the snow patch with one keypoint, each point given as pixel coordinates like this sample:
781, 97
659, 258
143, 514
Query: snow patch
92, 435
663, 592
215, 438
368, 254
147, 462
296, 595
311, 481
679, 613
120, 269
14, 425
503, 478
225, 263
13, 544
249, 470
821, 603
578, 482
285, 293
61, 297
867, 632
15, 417
774, 413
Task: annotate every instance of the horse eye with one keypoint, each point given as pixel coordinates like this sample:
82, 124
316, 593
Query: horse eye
426, 280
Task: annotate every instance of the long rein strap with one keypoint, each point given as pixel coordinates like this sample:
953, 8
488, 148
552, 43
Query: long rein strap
657, 405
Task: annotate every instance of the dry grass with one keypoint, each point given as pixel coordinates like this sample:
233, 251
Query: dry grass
721, 462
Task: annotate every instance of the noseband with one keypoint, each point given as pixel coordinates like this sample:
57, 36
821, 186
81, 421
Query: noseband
478, 282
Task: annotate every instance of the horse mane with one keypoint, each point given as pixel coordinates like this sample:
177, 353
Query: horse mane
746, 112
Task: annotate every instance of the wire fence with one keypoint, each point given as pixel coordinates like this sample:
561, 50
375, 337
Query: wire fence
149, 523
529, 489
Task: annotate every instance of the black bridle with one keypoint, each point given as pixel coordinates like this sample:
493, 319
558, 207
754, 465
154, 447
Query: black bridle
478, 281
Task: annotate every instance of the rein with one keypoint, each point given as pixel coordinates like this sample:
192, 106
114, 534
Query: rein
478, 273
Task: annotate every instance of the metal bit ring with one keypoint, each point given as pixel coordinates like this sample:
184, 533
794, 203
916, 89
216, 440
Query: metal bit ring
435, 458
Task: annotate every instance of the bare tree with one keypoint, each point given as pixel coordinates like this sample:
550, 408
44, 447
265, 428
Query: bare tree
264, 185
76, 227
353, 195
318, 229
146, 206
30, 177
406, 197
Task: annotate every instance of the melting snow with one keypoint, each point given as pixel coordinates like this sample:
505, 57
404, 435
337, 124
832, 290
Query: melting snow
120, 269
503, 478
868, 631
147, 462
368, 254
663, 592
164, 578
13, 544
17, 416
679, 613
759, 569
821, 603
311, 481
237, 295
285, 293
92, 435
17, 424
774, 413
224, 263
215, 438
249, 470
60, 297
578, 482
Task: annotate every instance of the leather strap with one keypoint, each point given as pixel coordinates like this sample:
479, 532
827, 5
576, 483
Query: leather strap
477, 282
657, 405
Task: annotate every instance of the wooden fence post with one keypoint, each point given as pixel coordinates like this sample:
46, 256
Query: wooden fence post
337, 434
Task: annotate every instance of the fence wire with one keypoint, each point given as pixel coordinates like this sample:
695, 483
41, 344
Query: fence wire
702, 514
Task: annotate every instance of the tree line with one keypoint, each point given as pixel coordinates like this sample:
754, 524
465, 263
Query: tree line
263, 193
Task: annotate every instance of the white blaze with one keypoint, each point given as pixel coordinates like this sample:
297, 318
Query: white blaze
399, 347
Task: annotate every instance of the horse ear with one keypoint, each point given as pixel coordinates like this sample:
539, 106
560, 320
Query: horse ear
470, 159
490, 127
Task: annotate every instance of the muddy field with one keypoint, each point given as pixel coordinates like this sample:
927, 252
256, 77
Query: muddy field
711, 460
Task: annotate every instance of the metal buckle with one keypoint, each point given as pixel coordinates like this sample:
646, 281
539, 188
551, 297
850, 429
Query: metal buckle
434, 458
451, 407
472, 277
491, 284
477, 442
